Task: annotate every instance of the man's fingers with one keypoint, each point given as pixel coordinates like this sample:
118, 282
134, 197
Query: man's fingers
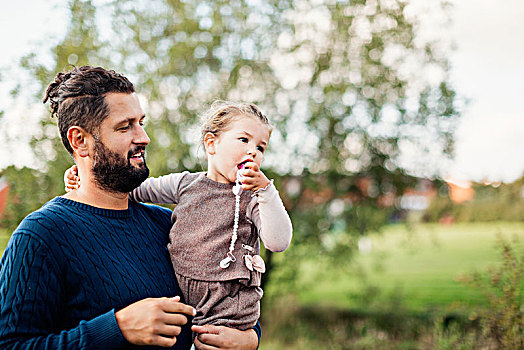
168, 330
174, 319
165, 342
173, 305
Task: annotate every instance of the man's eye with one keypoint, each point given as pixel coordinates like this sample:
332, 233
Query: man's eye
123, 128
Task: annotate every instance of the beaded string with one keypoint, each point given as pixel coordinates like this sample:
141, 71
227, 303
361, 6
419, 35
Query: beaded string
237, 190
235, 225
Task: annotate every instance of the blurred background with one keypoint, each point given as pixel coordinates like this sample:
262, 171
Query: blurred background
397, 148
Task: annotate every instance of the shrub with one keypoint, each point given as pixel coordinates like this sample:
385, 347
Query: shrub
503, 321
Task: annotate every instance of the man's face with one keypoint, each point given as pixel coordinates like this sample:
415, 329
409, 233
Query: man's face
119, 151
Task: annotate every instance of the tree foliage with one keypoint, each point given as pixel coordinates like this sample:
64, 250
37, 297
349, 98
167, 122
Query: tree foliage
345, 83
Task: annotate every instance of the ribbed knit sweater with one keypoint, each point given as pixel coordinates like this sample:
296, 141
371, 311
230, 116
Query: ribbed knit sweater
69, 267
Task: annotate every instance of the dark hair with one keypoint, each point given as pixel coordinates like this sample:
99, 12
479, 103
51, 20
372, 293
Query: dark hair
77, 98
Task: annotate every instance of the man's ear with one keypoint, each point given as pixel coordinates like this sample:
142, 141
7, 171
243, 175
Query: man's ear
77, 137
209, 142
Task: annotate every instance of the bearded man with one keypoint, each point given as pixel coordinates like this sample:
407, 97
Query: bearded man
90, 269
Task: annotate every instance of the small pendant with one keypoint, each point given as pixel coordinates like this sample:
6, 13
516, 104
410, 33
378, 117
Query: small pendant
225, 262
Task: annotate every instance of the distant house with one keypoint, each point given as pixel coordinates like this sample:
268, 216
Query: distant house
460, 191
4, 190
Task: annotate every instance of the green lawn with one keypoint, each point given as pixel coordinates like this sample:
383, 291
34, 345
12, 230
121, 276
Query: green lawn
417, 267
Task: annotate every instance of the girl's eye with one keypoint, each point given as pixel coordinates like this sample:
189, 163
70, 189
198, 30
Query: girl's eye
243, 139
261, 149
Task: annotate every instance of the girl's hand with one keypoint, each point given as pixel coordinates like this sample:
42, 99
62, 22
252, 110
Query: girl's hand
252, 177
71, 179
221, 337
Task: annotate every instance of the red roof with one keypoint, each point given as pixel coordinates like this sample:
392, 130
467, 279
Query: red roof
4, 190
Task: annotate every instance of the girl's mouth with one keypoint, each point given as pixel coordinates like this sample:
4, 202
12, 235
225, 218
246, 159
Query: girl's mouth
241, 165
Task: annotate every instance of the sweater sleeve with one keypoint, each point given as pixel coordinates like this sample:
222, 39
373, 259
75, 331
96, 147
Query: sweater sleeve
159, 190
258, 331
270, 216
31, 304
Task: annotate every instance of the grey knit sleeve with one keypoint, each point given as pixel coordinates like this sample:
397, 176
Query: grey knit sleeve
159, 190
269, 215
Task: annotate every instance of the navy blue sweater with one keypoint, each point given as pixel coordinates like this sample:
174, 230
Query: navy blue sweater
69, 266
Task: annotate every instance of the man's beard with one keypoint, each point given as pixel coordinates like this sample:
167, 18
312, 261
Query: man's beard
114, 173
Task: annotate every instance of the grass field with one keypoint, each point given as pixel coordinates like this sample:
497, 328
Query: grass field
415, 268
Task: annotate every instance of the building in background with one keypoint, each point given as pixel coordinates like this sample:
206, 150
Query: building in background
4, 191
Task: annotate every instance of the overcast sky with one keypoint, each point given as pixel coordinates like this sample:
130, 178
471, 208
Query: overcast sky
487, 68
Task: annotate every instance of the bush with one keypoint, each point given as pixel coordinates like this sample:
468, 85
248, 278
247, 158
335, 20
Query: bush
503, 321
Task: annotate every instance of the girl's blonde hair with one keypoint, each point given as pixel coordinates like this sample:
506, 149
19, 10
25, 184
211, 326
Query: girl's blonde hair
221, 113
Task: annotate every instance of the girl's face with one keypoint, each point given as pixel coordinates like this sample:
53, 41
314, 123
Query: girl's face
244, 140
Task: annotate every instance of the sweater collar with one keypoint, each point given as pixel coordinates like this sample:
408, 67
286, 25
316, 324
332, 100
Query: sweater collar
112, 213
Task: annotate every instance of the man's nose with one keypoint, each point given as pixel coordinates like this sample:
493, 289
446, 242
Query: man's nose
141, 136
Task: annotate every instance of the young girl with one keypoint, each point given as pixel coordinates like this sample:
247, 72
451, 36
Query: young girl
216, 223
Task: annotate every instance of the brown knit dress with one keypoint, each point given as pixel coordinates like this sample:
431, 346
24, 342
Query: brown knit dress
200, 238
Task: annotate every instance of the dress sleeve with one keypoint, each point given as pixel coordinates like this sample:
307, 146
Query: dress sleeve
159, 190
31, 304
270, 217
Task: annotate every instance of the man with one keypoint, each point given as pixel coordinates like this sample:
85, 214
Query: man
90, 269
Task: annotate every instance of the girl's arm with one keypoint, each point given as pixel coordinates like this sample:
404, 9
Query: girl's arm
159, 190
271, 218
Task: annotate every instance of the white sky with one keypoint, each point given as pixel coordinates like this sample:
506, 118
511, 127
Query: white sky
487, 68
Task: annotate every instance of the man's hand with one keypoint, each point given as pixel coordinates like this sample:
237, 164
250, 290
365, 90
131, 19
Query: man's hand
252, 177
219, 337
153, 321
